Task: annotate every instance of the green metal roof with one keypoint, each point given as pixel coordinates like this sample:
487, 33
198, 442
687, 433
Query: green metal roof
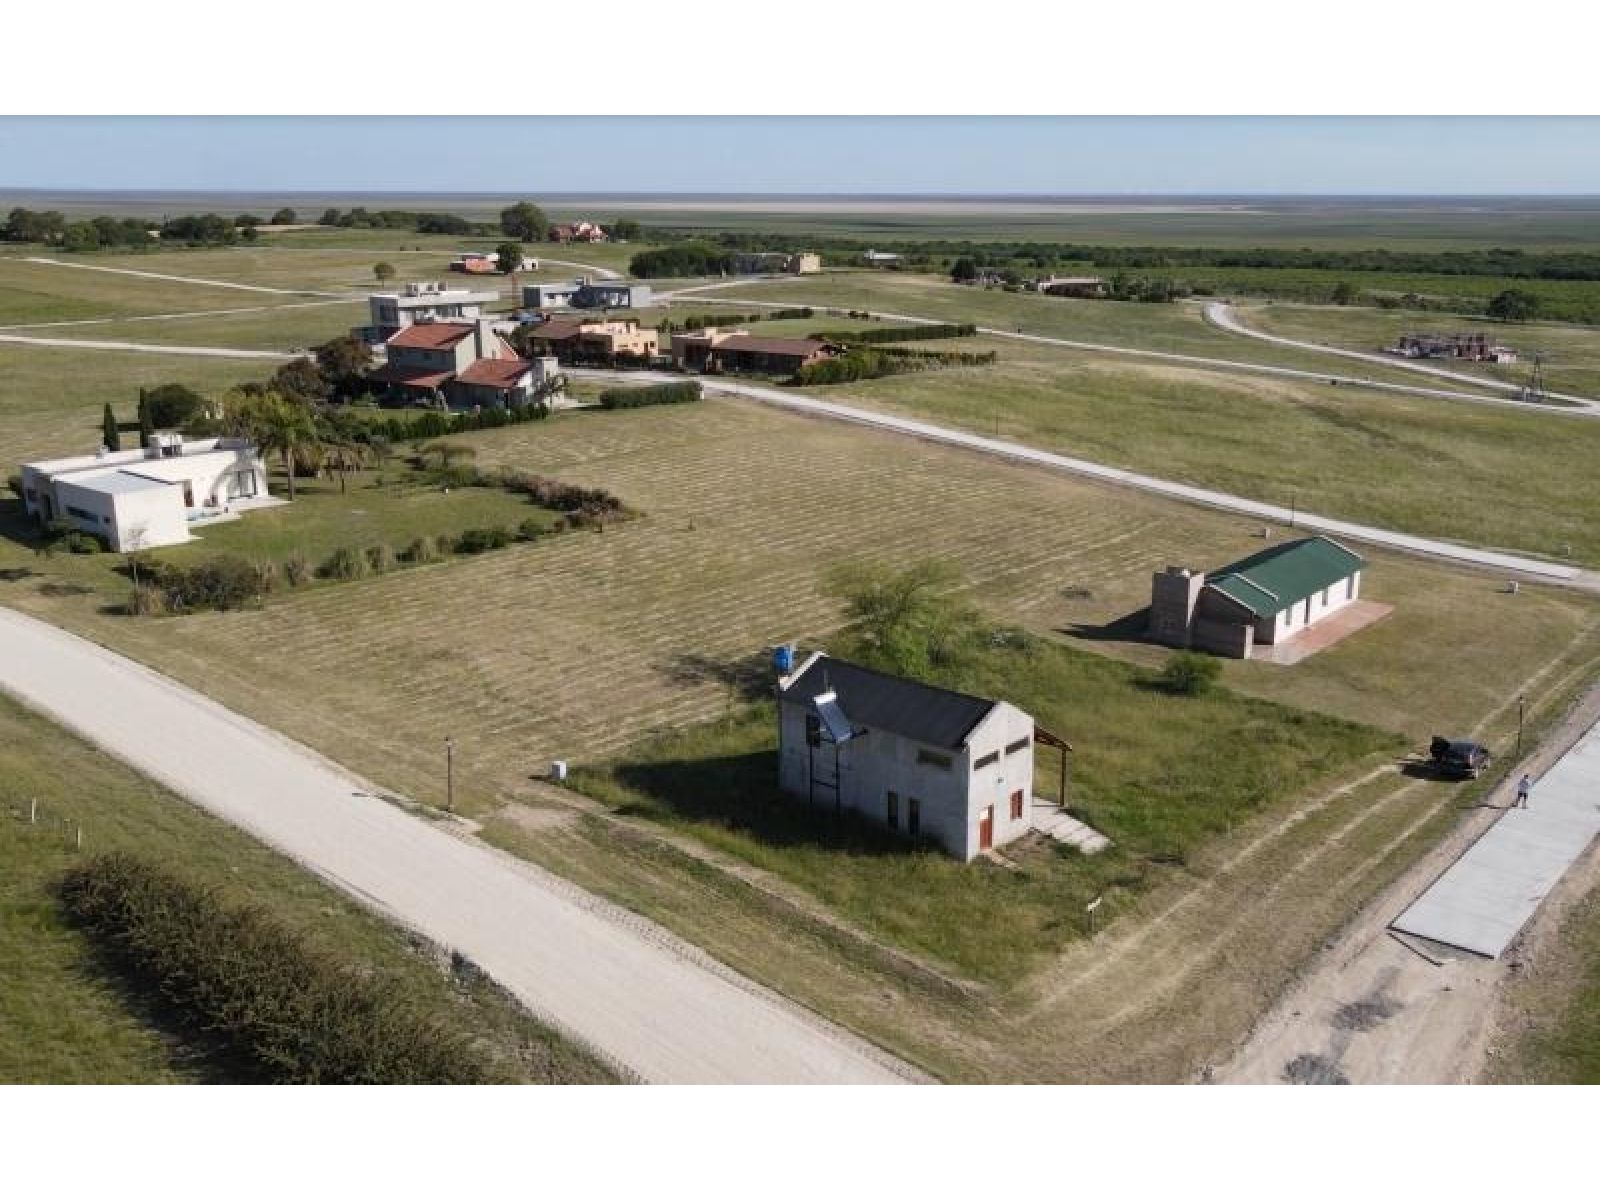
1272, 580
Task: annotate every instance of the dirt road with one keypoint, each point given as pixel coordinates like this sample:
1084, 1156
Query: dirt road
654, 1005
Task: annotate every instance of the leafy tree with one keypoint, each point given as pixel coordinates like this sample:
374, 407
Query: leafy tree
246, 220
625, 229
510, 256
964, 270
300, 380
25, 225
80, 236
524, 221
1514, 304
383, 271
902, 621
173, 406
109, 431
284, 216
329, 216
1344, 292
344, 362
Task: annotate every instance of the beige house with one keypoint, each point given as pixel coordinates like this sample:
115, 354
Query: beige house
737, 351
1266, 599
579, 340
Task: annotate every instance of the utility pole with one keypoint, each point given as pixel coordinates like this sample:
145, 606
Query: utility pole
1294, 504
450, 774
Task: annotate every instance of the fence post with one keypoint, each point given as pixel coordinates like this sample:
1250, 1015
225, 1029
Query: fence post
33, 811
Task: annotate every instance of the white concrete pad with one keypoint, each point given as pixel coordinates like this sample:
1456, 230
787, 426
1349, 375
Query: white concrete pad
1482, 902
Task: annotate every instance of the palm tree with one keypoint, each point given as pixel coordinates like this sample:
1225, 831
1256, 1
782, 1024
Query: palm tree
276, 424
343, 453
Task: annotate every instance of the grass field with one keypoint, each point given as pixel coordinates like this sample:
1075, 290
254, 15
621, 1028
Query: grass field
1558, 1041
51, 398
67, 1020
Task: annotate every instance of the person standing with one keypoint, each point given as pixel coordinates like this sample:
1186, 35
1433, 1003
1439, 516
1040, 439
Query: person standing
1524, 787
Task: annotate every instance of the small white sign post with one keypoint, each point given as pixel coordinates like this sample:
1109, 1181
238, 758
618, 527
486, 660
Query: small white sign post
1089, 911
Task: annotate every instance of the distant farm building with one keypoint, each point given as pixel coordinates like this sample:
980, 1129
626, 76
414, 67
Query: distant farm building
926, 762
739, 352
1267, 599
487, 262
138, 499
1086, 287
586, 293
777, 262
879, 258
578, 231
1474, 347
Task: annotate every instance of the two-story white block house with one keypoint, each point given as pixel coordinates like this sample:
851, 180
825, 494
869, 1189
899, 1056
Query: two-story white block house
390, 312
936, 765
138, 499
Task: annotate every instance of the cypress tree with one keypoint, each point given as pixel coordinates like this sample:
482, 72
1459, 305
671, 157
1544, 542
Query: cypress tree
146, 425
108, 425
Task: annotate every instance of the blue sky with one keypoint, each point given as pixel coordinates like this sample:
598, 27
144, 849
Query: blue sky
808, 154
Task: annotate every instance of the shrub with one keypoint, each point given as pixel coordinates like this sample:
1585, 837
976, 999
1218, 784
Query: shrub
297, 569
78, 542
661, 393
899, 333
225, 582
476, 541
147, 600
422, 550
266, 576
345, 563
1190, 674
381, 558
292, 1011
531, 530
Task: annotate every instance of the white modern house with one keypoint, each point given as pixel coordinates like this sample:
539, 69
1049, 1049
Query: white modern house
390, 312
936, 765
139, 499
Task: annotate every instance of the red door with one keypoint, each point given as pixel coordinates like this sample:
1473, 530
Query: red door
986, 829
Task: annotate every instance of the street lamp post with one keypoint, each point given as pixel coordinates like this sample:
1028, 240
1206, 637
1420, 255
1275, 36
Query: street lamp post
449, 774
1522, 708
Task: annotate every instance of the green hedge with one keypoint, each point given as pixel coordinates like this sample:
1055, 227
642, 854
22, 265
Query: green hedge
291, 1010
898, 333
639, 397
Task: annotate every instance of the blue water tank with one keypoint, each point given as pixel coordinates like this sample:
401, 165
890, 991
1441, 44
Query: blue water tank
783, 659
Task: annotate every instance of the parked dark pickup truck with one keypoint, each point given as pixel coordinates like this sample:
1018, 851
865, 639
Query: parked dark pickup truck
1458, 760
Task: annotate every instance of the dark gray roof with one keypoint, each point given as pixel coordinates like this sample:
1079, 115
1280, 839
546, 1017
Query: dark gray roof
919, 711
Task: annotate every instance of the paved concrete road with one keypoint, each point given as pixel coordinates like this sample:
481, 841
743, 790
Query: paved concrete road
1225, 316
1275, 514
1482, 902
626, 987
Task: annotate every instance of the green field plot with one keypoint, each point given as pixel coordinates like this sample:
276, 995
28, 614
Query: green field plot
70, 1020
36, 293
1480, 474
1551, 1021
51, 398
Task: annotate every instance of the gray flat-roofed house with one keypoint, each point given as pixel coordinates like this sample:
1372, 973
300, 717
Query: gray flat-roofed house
934, 764
586, 293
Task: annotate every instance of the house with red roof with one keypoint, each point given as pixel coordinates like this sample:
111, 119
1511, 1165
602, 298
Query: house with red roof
462, 364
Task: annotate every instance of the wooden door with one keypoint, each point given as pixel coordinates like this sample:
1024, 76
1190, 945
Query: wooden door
986, 829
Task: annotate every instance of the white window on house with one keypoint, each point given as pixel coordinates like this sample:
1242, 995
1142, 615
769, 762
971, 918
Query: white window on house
914, 816
1325, 592
893, 814
1019, 744
988, 760
1350, 588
